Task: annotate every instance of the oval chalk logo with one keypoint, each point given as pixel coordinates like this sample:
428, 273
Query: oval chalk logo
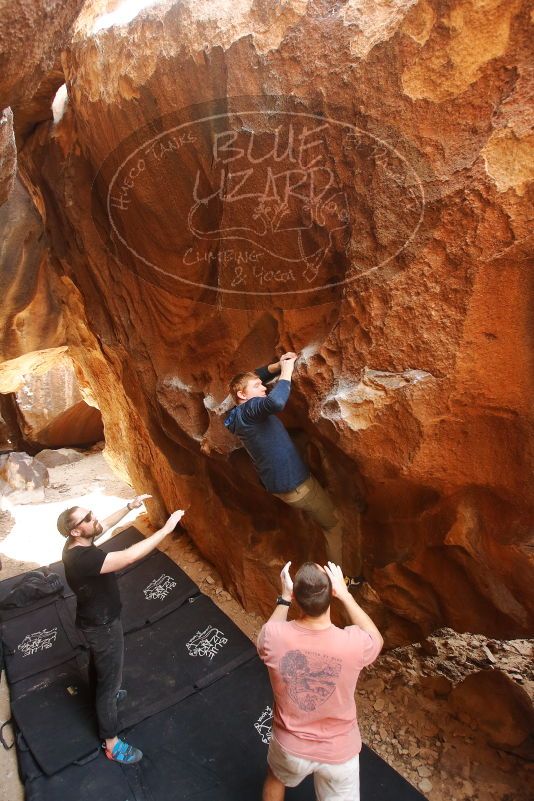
251, 201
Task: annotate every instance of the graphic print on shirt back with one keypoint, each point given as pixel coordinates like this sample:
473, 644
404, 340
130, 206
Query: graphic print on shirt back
310, 677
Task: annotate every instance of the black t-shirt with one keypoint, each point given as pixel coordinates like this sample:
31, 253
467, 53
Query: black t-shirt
98, 595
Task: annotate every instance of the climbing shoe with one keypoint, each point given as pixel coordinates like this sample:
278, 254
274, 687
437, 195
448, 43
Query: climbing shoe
121, 695
354, 582
124, 753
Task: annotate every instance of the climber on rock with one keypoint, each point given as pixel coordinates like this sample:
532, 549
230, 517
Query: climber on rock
280, 467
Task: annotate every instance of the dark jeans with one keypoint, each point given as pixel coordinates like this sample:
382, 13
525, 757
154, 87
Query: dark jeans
106, 646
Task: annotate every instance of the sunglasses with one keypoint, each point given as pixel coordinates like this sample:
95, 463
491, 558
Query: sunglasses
88, 517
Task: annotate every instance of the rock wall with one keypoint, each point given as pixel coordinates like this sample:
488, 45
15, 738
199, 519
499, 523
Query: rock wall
41, 399
407, 227
51, 410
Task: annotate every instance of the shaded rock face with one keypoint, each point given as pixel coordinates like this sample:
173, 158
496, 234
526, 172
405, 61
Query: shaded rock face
32, 329
10, 433
407, 226
8, 155
80, 425
501, 708
32, 34
52, 411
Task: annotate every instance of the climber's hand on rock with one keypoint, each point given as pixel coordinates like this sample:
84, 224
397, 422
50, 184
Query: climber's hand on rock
288, 355
173, 520
287, 582
286, 367
138, 501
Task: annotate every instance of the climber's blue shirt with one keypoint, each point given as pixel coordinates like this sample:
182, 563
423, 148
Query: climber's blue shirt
265, 438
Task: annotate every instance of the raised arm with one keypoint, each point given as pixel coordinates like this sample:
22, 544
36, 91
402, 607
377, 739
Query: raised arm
356, 614
281, 610
117, 516
122, 559
270, 371
257, 409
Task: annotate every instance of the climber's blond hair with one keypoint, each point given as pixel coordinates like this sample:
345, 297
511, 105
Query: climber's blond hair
239, 384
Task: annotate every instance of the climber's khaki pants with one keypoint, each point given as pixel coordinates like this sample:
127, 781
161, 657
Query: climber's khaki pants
312, 498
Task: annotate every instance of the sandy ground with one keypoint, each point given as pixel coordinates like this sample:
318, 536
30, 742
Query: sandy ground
401, 715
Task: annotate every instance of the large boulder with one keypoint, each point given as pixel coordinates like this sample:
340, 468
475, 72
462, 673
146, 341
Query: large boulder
22, 479
52, 411
366, 204
79, 425
59, 457
499, 707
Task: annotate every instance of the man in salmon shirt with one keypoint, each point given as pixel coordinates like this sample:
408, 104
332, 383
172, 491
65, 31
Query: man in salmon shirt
313, 667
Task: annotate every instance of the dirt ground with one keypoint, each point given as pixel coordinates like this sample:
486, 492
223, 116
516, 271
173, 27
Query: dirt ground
402, 711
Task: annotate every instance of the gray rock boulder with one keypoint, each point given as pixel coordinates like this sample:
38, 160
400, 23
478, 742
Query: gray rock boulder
22, 479
56, 458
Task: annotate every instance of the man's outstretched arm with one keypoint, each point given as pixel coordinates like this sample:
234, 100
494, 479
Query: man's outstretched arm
117, 516
122, 559
356, 614
281, 610
270, 371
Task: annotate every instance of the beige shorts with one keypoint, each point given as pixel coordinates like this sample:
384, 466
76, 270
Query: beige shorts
332, 782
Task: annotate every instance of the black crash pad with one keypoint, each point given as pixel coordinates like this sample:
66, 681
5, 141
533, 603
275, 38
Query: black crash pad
164, 662
72, 670
212, 746
199, 702
173, 657
102, 780
226, 728
129, 536
151, 589
40, 639
97, 780
58, 723
76, 665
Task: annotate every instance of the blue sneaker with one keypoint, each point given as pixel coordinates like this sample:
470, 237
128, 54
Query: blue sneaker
124, 753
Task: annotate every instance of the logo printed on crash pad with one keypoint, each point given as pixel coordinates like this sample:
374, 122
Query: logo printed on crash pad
159, 588
310, 677
264, 724
37, 641
206, 643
